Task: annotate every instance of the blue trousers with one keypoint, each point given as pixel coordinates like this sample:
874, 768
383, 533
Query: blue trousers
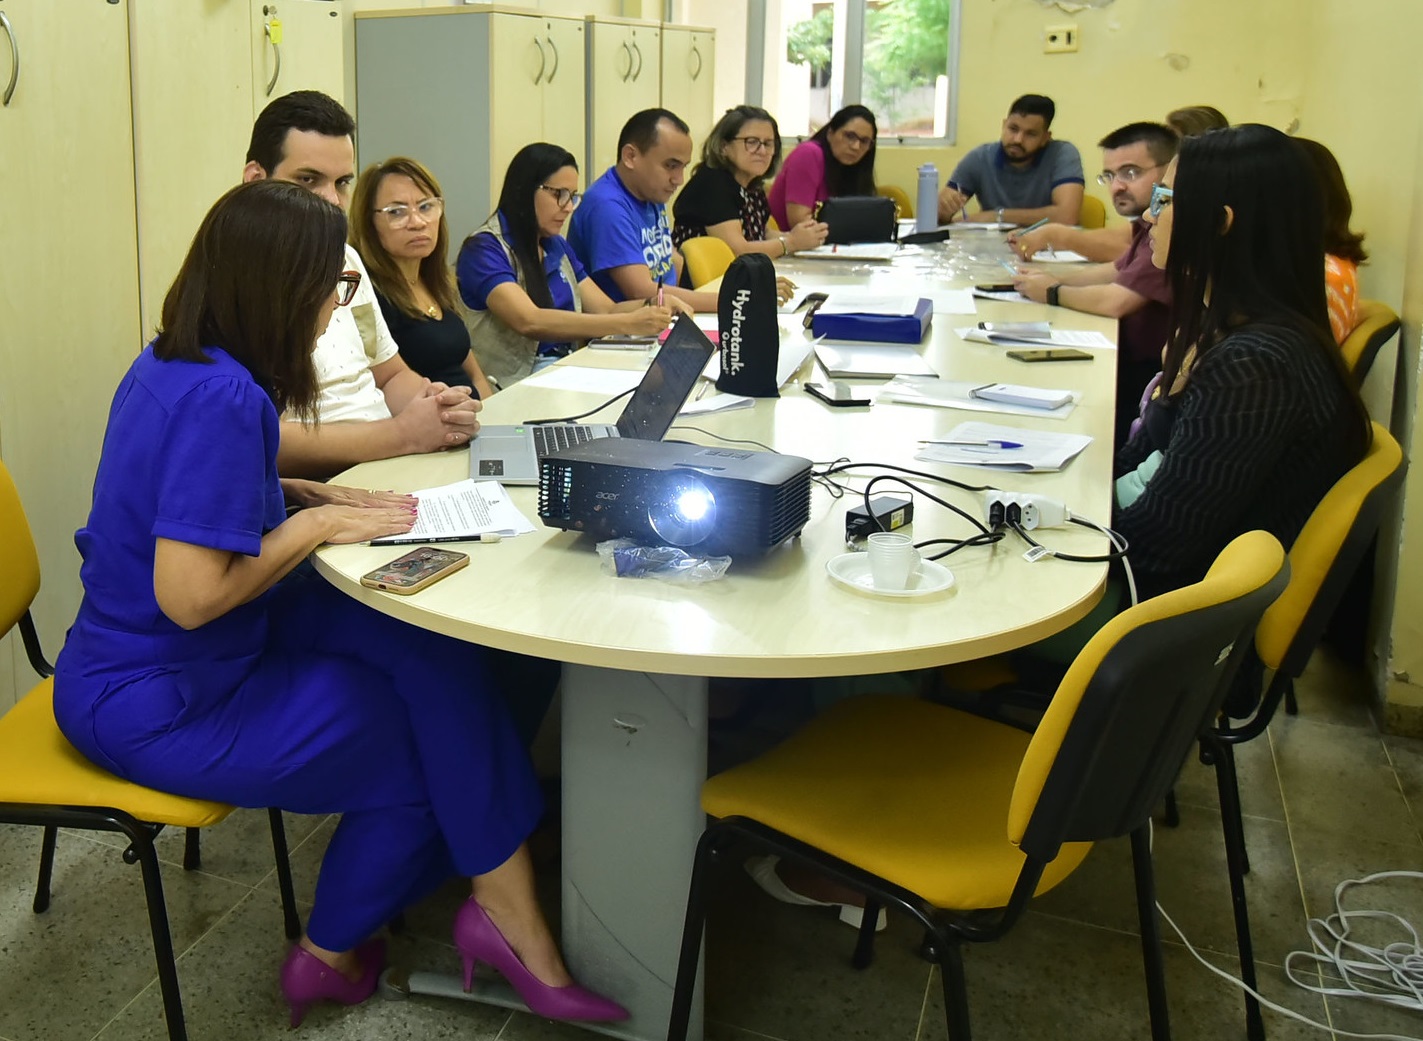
347, 711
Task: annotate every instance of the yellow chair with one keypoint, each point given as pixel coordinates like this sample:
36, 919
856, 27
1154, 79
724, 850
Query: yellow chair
1377, 325
707, 258
901, 200
1093, 213
1323, 559
958, 820
44, 781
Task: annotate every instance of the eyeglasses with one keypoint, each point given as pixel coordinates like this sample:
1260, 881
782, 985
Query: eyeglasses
757, 144
1160, 199
398, 216
566, 198
1127, 174
347, 282
858, 140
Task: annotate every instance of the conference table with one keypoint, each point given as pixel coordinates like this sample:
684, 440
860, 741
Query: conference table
638, 652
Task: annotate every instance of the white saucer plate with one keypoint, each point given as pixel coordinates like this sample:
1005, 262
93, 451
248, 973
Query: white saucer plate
852, 570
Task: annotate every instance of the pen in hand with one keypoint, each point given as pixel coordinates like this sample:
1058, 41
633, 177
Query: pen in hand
659, 292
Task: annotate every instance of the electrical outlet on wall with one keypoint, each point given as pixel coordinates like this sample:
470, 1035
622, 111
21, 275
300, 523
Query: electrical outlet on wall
1059, 39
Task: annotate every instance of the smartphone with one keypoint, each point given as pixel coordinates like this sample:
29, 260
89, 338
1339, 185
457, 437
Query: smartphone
416, 570
841, 395
997, 287
1055, 354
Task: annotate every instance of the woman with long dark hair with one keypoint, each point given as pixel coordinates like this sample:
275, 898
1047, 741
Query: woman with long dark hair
398, 227
533, 302
724, 197
197, 666
1260, 417
1343, 247
838, 159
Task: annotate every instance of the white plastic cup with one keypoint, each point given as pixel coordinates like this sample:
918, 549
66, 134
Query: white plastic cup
893, 559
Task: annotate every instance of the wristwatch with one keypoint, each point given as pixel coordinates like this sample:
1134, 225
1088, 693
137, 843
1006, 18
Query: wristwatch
1052, 294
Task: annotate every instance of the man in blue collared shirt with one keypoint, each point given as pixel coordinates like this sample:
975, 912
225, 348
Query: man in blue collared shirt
1024, 177
621, 231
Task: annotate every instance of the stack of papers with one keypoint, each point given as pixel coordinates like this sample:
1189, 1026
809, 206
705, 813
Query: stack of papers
959, 395
1059, 256
791, 357
845, 358
1004, 448
863, 301
1035, 337
715, 403
462, 510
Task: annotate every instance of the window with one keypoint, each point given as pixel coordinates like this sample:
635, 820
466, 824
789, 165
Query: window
898, 57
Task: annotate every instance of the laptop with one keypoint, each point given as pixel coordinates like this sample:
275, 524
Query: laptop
511, 454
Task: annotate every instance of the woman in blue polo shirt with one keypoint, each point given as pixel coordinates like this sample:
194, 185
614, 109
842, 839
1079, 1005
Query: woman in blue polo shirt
533, 301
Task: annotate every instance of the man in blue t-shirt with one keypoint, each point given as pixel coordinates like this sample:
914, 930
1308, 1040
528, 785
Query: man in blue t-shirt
1024, 177
621, 231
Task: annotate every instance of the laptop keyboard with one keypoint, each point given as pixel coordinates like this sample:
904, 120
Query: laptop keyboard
549, 439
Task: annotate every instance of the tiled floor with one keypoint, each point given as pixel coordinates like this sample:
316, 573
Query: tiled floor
1327, 799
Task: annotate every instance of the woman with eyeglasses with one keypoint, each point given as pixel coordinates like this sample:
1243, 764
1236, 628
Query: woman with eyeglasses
532, 301
398, 226
199, 665
838, 159
1258, 416
725, 198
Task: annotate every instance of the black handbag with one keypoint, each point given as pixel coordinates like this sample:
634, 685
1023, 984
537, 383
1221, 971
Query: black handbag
858, 218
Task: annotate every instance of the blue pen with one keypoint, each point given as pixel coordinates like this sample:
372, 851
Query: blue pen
991, 442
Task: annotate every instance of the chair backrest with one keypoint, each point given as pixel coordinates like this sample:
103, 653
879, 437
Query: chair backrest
1136, 699
1377, 325
19, 561
1325, 555
707, 259
900, 197
1093, 213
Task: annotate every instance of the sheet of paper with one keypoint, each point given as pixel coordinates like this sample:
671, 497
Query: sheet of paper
714, 402
1059, 338
865, 301
1060, 256
586, 378
859, 251
958, 395
952, 301
871, 360
706, 321
464, 508
792, 356
1040, 452
1010, 297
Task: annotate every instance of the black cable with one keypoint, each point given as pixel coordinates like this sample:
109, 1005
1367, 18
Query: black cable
581, 415
1115, 554
841, 468
728, 440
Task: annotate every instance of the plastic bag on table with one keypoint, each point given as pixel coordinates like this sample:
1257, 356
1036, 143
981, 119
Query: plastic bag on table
624, 558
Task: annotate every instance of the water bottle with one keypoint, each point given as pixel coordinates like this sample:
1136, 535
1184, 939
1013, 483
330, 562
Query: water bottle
926, 206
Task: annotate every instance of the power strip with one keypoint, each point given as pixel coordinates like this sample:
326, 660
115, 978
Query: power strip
1032, 511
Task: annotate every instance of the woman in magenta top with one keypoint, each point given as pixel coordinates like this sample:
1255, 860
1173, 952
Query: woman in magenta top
838, 160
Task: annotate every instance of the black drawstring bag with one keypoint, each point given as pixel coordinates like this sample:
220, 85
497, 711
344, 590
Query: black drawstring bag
746, 323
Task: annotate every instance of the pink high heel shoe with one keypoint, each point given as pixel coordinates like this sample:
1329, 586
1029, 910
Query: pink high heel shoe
479, 940
306, 979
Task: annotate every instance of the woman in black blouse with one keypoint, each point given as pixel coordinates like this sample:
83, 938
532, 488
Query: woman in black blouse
724, 197
398, 226
1262, 417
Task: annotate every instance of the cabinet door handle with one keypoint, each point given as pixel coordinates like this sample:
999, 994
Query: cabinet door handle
629, 54
551, 75
277, 51
638, 73
543, 61
698, 55
14, 57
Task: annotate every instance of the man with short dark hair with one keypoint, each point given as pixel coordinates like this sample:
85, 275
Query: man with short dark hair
1023, 177
1132, 290
621, 231
372, 404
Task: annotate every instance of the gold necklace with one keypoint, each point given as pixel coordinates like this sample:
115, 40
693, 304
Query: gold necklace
432, 311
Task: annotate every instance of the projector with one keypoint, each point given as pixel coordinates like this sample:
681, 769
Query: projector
720, 501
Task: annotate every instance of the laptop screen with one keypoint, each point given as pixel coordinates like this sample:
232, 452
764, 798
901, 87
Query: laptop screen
669, 380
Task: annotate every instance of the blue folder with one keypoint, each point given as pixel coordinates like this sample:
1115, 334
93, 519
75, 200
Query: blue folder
876, 328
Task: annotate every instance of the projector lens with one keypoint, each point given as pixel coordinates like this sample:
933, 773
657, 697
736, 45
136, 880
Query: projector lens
686, 514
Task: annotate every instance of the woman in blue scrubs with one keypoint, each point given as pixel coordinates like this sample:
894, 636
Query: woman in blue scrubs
194, 669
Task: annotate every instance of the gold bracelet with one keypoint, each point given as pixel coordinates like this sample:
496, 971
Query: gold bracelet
785, 247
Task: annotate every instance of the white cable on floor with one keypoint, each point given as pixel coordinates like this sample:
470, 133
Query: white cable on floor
1291, 1013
